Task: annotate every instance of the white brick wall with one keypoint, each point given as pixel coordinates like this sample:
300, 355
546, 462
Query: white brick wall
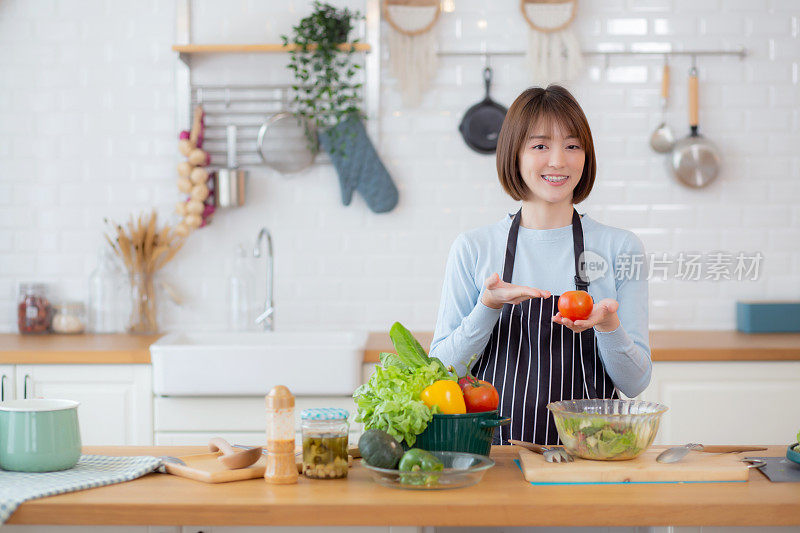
87, 130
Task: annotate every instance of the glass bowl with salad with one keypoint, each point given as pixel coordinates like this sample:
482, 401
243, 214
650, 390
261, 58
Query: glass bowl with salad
606, 430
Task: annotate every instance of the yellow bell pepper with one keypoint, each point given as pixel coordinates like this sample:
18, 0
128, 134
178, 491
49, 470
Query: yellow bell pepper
447, 395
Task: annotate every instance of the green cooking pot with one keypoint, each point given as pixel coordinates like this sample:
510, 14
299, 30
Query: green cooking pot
469, 432
39, 435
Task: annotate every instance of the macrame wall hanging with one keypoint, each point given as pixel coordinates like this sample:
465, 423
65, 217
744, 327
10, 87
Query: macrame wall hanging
412, 45
554, 54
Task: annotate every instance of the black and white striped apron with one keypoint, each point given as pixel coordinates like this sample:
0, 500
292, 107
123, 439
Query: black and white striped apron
532, 360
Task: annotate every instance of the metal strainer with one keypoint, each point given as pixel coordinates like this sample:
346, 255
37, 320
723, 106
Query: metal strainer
283, 145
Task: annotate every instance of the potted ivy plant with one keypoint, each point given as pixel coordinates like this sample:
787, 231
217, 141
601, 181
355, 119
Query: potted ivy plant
326, 88
327, 101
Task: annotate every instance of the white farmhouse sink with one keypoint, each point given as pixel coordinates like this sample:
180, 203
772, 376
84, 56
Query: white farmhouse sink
250, 364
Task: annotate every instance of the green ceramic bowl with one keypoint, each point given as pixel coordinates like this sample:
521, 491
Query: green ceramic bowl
39, 435
468, 433
793, 453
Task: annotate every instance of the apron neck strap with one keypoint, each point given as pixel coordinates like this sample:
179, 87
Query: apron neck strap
577, 245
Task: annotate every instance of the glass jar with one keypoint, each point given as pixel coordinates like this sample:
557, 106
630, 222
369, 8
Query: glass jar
33, 309
69, 317
144, 308
325, 442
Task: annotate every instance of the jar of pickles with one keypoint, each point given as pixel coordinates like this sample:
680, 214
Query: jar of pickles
324, 442
33, 310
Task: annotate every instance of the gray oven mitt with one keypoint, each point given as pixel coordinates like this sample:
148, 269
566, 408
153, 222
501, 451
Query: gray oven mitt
359, 168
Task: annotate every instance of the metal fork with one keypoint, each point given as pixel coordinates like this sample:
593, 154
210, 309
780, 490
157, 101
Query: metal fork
551, 454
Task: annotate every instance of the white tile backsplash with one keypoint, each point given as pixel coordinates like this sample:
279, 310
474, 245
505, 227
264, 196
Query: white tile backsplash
87, 130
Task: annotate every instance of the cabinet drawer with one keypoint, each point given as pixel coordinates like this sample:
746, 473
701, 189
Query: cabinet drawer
739, 402
246, 438
192, 438
235, 414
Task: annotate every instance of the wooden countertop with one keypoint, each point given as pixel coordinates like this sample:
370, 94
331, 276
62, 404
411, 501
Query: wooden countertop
682, 345
685, 345
113, 348
502, 498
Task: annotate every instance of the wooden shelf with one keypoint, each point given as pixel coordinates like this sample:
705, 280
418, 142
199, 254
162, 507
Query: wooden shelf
251, 48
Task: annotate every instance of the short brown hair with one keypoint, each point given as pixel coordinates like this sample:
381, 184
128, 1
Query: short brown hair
542, 106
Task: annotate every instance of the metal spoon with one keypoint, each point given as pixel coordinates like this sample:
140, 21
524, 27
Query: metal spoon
663, 139
672, 455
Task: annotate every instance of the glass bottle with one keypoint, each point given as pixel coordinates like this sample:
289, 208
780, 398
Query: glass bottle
241, 288
105, 296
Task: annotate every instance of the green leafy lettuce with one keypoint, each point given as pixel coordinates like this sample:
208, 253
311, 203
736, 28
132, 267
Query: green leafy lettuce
390, 399
597, 438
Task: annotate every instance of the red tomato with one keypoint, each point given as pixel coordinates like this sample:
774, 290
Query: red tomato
575, 305
480, 396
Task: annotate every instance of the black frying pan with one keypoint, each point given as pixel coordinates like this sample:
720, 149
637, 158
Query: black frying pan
482, 122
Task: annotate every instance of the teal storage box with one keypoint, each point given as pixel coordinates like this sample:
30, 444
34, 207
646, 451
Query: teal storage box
768, 317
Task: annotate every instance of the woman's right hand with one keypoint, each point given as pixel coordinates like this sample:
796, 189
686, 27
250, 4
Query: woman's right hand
498, 292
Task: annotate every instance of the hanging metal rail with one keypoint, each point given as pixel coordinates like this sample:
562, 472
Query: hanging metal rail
740, 52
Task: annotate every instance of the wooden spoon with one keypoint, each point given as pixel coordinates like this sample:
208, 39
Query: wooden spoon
231, 457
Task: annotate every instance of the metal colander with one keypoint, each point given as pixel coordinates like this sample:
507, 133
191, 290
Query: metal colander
283, 145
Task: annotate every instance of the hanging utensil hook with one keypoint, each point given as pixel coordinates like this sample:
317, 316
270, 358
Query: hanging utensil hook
484, 54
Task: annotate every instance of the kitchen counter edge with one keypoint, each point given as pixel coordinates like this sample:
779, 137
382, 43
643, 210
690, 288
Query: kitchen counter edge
502, 498
665, 345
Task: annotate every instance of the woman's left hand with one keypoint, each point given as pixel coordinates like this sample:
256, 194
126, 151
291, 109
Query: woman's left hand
603, 317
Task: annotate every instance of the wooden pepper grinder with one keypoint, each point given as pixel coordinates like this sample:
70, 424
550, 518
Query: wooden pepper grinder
281, 468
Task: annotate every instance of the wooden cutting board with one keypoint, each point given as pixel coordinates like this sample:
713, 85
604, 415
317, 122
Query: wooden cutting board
206, 468
696, 466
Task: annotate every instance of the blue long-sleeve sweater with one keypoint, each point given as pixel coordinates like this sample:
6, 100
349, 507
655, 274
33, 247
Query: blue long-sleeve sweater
545, 260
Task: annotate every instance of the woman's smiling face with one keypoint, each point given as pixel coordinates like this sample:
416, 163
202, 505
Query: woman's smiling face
551, 164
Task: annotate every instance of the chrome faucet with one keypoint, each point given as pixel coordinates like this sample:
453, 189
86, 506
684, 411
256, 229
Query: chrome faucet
267, 318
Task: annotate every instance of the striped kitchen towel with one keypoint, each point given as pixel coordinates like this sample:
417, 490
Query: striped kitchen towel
91, 471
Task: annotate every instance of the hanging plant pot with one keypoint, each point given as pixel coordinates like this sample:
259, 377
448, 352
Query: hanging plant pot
326, 89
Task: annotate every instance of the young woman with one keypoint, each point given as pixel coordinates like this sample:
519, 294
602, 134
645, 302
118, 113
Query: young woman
503, 281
